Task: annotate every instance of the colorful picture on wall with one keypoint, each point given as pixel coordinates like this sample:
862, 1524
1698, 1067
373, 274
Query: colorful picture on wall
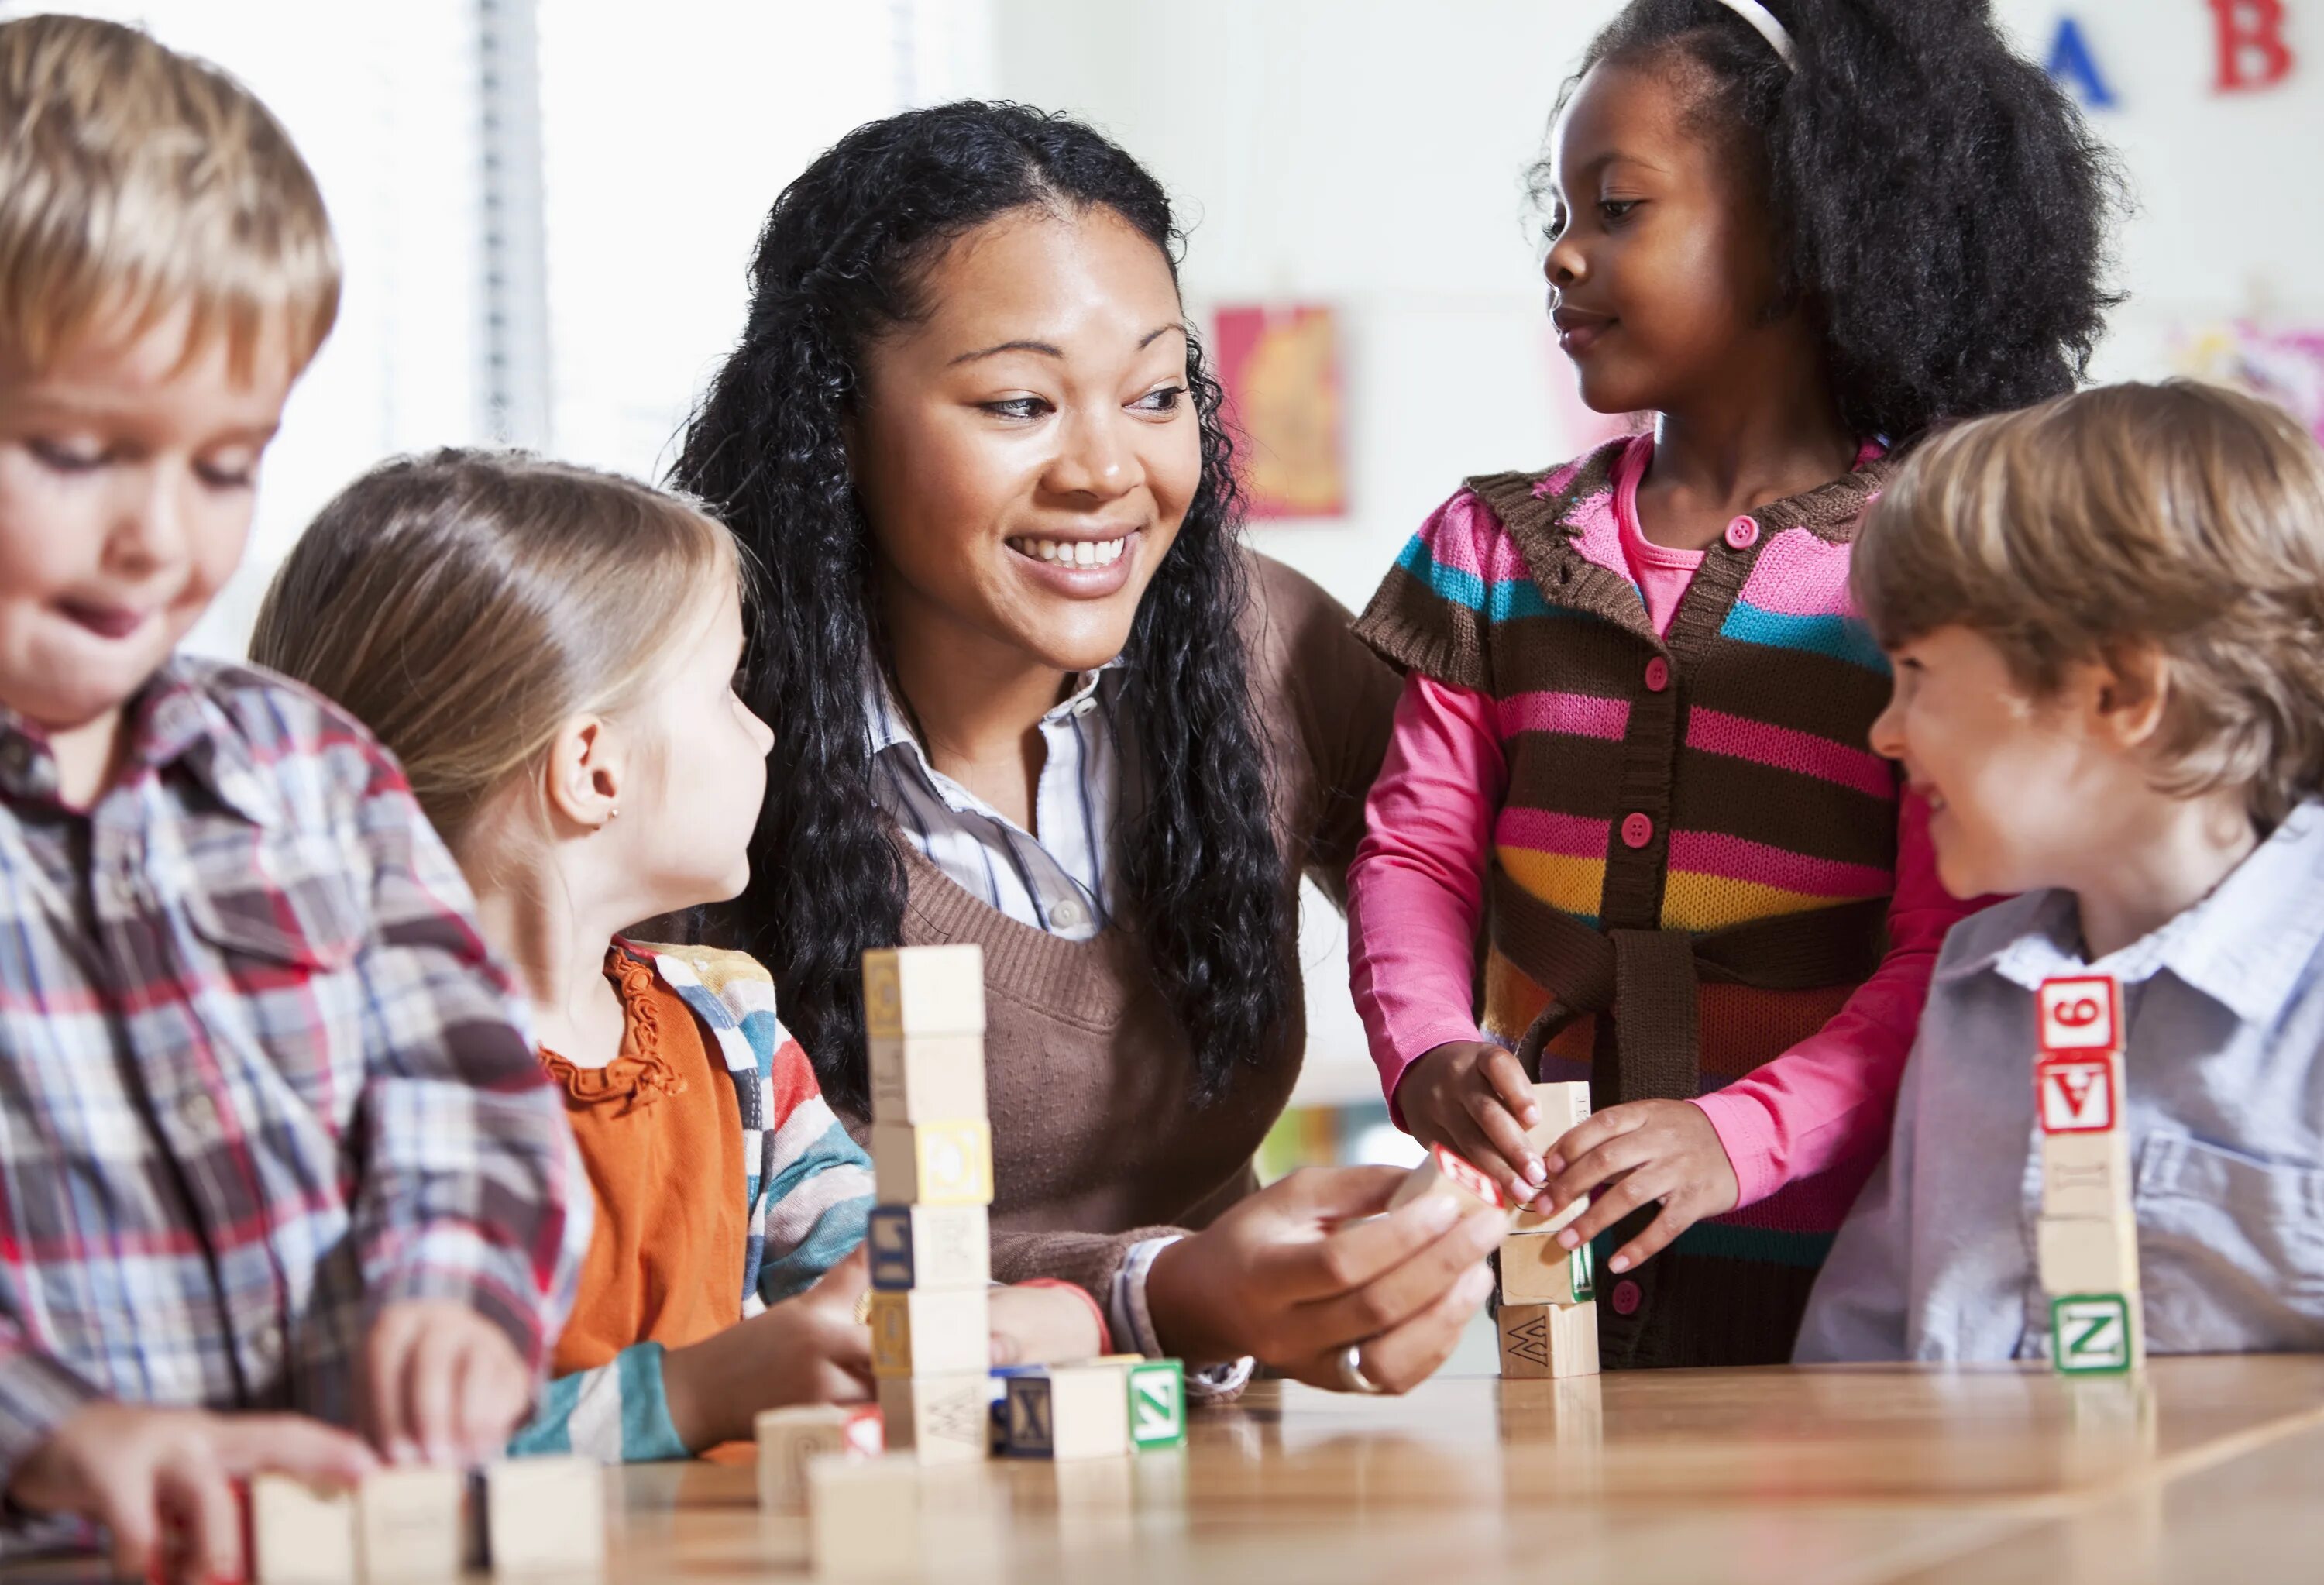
2282, 364
1281, 370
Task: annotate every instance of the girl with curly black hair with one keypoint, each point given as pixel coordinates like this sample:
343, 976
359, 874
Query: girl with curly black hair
1633, 739
1027, 692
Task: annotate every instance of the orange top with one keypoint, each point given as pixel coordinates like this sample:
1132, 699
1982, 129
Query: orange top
661, 1135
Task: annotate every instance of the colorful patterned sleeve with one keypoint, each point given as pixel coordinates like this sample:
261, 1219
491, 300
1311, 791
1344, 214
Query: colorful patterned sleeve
819, 1197
471, 1189
617, 1414
1454, 578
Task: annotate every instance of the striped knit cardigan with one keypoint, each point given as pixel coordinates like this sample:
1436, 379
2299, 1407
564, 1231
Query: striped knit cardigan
807, 1188
1692, 863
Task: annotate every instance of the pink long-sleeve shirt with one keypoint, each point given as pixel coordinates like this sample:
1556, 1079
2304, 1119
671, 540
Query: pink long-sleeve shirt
1416, 901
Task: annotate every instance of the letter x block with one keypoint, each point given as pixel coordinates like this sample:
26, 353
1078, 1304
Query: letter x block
1535, 1270
1444, 1173
1068, 1412
931, 1332
929, 1247
1545, 1340
933, 1163
924, 991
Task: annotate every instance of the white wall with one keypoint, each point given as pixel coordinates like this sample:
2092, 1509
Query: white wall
1370, 154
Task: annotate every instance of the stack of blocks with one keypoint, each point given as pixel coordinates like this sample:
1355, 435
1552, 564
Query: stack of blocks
2087, 1239
1548, 1311
930, 1238
517, 1517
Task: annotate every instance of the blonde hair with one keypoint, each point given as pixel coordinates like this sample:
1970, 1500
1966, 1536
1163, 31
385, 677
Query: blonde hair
134, 180
2179, 516
465, 605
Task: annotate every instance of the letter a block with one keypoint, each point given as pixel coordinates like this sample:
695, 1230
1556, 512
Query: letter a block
930, 1331
1157, 1403
929, 1247
1444, 1173
2096, 1334
933, 1163
911, 990
1545, 1340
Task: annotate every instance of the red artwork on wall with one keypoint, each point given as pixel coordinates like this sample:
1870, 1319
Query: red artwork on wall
1281, 370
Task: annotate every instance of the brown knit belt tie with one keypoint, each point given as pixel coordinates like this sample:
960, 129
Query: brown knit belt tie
1652, 975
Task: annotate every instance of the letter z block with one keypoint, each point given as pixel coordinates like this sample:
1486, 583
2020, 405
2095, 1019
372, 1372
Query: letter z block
933, 1163
1157, 1403
931, 1332
2096, 1334
1535, 1270
1070, 1411
924, 991
929, 1247
1541, 1341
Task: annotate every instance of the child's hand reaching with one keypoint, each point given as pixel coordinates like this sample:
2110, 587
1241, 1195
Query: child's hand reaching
1044, 1323
1476, 1102
811, 1347
160, 1479
440, 1383
1649, 1150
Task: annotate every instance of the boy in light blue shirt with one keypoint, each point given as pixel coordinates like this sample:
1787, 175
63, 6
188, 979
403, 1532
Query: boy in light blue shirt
2104, 616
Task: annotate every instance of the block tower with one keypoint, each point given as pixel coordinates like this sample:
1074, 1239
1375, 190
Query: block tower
2088, 1239
1548, 1311
930, 1238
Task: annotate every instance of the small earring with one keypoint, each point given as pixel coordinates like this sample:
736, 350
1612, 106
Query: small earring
612, 815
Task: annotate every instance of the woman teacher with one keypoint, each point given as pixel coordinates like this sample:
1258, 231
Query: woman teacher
1028, 691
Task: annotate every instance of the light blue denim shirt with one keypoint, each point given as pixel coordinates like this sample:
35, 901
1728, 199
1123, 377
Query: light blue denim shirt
2224, 1070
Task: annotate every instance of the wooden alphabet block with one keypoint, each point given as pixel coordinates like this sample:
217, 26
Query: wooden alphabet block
539, 1515
924, 991
927, 1078
1157, 1403
1564, 1106
1549, 1340
2078, 1094
931, 1332
2096, 1334
2086, 1175
789, 1437
408, 1522
1068, 1412
938, 1419
2088, 1254
929, 1247
863, 1516
300, 1533
933, 1163
2079, 1013
1535, 1270
1444, 1172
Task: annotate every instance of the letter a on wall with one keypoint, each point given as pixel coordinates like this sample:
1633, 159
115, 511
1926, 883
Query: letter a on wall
2252, 53
2074, 68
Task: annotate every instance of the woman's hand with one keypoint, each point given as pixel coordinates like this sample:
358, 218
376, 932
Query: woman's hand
1306, 1266
161, 1481
1476, 1102
808, 1348
1039, 1323
1649, 1150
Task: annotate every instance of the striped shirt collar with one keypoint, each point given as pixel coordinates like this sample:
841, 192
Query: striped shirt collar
890, 727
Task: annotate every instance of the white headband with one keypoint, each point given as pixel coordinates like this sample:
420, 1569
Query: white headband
1763, 22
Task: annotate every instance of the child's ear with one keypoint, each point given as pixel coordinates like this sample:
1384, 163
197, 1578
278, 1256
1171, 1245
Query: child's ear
2132, 683
584, 776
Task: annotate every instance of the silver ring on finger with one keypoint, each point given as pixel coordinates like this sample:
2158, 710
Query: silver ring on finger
1351, 1372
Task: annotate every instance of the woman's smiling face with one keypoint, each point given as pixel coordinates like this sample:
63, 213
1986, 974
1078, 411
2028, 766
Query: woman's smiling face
1026, 449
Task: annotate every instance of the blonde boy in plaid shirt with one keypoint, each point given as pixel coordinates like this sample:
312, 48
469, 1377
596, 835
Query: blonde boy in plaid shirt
274, 1157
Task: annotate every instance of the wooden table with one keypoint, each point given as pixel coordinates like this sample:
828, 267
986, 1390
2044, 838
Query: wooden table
2211, 1470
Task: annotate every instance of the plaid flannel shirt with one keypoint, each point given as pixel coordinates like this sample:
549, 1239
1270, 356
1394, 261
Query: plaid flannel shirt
259, 1075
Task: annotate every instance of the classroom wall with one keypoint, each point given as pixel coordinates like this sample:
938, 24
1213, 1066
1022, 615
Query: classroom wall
1370, 155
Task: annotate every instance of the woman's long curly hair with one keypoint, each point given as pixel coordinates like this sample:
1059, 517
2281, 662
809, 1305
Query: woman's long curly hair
1936, 202
843, 257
